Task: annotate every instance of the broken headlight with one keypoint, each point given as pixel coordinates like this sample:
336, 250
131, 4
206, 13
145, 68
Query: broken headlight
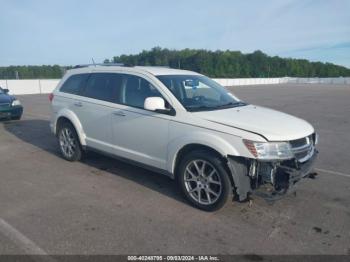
269, 150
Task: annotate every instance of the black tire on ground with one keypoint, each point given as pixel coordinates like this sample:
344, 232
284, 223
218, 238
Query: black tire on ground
16, 118
77, 153
213, 161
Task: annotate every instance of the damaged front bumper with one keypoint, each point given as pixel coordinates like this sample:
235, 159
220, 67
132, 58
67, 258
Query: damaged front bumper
268, 179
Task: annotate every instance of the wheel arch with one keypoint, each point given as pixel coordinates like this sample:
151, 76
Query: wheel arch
192, 147
181, 146
68, 116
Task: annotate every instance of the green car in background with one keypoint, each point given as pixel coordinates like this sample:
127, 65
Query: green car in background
10, 107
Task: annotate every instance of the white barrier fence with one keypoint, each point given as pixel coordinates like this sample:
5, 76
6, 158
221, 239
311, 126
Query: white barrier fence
283, 80
30, 86
247, 81
45, 86
316, 80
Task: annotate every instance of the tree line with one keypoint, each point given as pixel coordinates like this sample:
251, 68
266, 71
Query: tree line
32, 72
232, 64
220, 64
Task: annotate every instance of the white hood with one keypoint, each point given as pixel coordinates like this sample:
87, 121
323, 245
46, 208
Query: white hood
273, 125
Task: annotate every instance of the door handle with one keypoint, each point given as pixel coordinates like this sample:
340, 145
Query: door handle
119, 113
78, 104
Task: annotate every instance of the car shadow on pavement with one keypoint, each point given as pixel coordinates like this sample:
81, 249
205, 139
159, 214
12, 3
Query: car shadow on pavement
37, 133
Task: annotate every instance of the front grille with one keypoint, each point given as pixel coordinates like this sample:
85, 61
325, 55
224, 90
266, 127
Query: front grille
4, 105
303, 148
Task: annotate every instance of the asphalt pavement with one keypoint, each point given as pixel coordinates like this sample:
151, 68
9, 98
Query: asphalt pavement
104, 206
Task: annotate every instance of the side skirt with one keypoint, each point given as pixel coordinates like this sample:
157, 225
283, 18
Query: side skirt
132, 162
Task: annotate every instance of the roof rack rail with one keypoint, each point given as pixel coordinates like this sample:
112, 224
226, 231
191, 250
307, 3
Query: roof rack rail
103, 64
156, 66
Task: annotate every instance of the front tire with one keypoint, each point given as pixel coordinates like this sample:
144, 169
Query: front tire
69, 143
204, 181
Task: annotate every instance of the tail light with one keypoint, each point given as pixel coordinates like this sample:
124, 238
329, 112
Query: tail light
51, 97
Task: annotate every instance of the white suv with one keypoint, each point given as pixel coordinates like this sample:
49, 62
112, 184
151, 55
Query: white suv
184, 125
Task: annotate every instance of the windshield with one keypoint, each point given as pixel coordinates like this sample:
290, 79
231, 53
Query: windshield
199, 93
1, 91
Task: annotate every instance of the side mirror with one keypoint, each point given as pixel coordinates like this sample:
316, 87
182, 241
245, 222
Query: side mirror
154, 103
157, 104
6, 90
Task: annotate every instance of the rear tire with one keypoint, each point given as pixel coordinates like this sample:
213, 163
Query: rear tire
204, 181
68, 142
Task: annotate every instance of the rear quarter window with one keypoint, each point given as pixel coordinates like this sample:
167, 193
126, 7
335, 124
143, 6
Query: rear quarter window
74, 83
103, 86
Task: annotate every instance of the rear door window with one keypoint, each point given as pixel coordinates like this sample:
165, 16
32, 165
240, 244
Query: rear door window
103, 86
74, 83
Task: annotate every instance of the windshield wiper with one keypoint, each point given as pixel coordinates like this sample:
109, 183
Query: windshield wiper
232, 104
199, 108
208, 108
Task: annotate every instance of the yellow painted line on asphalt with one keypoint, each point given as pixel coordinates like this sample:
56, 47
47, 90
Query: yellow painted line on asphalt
330, 172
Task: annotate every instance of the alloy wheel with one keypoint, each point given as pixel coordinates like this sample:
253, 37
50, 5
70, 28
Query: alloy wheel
67, 142
202, 182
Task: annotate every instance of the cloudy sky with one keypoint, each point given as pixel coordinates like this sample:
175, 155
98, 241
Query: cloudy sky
69, 32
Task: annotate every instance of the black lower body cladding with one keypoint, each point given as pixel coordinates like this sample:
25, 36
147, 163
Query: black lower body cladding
269, 179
